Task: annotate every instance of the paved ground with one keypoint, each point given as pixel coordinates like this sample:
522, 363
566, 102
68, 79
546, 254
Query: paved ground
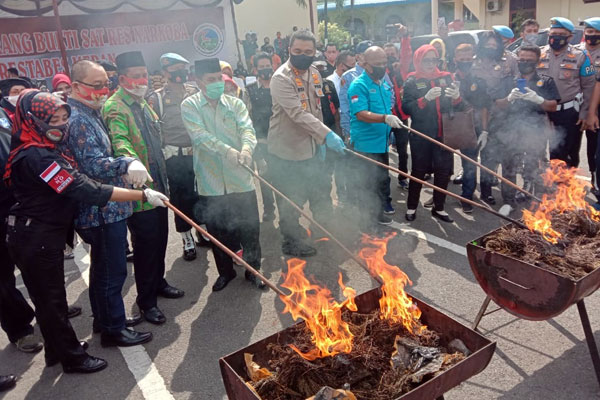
534, 360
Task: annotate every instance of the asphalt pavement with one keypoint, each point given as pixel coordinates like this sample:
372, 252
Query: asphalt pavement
534, 360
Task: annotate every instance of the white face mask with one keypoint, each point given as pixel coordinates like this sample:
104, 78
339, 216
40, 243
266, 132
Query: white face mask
139, 91
531, 38
13, 100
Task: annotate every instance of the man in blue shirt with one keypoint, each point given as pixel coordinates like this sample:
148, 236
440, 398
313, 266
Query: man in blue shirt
370, 99
103, 228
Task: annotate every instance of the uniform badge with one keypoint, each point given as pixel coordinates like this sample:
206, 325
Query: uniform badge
327, 90
56, 177
304, 105
354, 99
302, 96
571, 55
473, 87
299, 82
540, 83
320, 92
497, 68
421, 85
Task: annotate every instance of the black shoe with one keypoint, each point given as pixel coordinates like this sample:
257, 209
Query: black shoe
384, 220
7, 382
87, 366
445, 218
127, 337
129, 322
52, 360
489, 200
458, 179
467, 208
255, 280
427, 177
154, 316
410, 217
222, 281
170, 292
189, 254
73, 311
298, 249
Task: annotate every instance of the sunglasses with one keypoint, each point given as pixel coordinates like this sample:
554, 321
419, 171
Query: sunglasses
99, 86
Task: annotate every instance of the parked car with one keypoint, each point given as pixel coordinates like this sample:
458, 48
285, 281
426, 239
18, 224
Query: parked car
543, 39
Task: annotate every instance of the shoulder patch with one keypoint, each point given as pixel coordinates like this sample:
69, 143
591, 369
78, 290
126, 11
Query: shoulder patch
354, 99
56, 177
540, 83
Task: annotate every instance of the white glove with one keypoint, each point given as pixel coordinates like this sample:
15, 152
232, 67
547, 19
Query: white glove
515, 94
533, 97
233, 156
245, 157
453, 93
433, 93
155, 198
393, 121
137, 174
482, 140
262, 166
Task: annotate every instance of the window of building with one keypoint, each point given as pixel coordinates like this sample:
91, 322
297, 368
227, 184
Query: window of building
520, 10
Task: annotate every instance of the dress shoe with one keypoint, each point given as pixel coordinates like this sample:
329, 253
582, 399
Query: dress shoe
29, 344
411, 216
222, 281
298, 249
189, 254
7, 382
170, 292
87, 366
441, 217
127, 337
134, 320
73, 311
53, 360
154, 316
255, 280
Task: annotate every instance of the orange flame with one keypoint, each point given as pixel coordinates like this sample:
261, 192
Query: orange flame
323, 239
395, 305
322, 314
308, 233
569, 196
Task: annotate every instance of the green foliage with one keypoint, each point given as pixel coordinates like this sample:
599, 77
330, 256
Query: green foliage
336, 34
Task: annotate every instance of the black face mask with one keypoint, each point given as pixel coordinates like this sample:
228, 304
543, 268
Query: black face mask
179, 76
488, 52
526, 67
378, 72
558, 42
265, 73
301, 61
464, 66
592, 40
392, 59
55, 134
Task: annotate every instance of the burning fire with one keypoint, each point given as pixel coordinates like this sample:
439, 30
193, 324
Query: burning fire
569, 196
322, 314
395, 305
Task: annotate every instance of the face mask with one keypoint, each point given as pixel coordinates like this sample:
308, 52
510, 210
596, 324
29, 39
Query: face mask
301, 61
526, 67
55, 134
179, 76
13, 100
215, 90
114, 82
265, 73
558, 42
92, 97
488, 52
378, 72
137, 87
464, 66
531, 38
592, 40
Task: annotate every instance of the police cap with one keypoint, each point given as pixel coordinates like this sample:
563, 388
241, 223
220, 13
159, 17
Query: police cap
169, 59
592, 23
363, 46
504, 31
562, 22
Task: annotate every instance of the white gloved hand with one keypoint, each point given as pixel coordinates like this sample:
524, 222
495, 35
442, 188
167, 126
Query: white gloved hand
155, 198
137, 174
515, 94
233, 156
433, 93
453, 93
262, 166
482, 140
533, 97
245, 157
393, 121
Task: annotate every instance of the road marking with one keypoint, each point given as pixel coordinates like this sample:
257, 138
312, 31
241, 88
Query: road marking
428, 237
138, 361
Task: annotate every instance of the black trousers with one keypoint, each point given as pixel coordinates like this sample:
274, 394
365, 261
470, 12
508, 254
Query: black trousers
401, 135
43, 272
15, 313
565, 141
373, 186
233, 220
180, 173
427, 157
149, 235
592, 144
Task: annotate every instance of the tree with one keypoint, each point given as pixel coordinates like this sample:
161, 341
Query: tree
336, 34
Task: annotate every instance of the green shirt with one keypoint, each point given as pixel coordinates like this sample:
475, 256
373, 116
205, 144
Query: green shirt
213, 131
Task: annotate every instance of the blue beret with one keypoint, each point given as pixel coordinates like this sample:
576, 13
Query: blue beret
363, 46
168, 59
593, 23
504, 31
562, 22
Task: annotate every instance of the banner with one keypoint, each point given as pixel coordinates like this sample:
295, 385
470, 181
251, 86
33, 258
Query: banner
31, 45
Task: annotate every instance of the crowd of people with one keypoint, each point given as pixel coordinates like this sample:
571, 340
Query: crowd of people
103, 152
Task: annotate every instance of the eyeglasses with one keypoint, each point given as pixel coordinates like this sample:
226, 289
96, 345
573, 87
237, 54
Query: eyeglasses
430, 60
99, 86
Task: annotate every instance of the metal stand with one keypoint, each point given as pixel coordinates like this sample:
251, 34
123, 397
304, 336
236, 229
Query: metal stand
589, 337
481, 312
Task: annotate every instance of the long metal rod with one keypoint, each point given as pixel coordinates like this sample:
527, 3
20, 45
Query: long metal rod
469, 159
439, 189
589, 337
318, 225
60, 37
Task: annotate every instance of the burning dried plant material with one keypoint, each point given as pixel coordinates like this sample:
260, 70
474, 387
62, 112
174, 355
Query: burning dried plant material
255, 372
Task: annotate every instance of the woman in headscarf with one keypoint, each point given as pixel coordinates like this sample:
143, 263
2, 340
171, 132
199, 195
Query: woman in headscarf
48, 189
429, 92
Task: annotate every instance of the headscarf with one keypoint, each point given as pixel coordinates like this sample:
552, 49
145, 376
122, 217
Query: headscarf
419, 73
58, 79
26, 133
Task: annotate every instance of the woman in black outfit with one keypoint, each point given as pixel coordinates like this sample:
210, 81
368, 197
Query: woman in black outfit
48, 188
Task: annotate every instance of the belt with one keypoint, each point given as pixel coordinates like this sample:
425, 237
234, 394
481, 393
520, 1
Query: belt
11, 220
566, 106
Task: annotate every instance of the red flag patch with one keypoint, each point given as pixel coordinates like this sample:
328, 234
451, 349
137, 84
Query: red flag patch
56, 177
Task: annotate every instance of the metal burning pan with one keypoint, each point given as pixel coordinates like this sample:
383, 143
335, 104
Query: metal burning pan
234, 372
523, 289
